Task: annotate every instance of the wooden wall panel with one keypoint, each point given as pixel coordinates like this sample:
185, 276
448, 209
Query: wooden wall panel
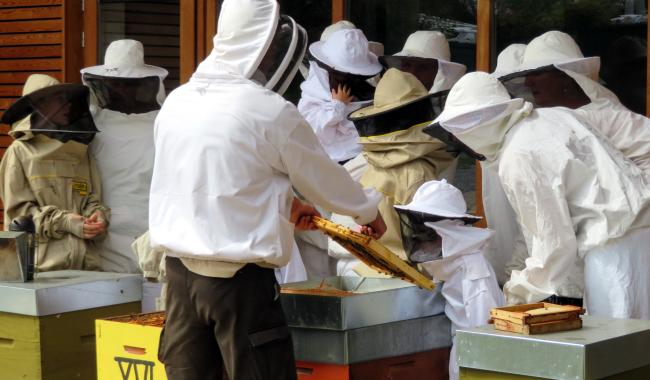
31, 41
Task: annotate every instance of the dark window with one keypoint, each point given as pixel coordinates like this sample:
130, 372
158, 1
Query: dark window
155, 23
615, 30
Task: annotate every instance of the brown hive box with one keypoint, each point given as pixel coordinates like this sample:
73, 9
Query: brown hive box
536, 318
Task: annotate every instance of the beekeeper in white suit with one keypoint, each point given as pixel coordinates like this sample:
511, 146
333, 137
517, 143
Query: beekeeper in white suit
335, 87
426, 55
127, 95
437, 232
576, 198
228, 221
507, 250
554, 72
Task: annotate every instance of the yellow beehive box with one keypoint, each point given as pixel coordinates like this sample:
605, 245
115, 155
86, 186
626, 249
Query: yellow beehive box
127, 347
52, 347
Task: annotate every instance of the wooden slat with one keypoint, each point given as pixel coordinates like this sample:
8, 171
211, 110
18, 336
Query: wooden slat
5, 140
11, 90
4, 128
31, 64
31, 13
6, 102
31, 26
21, 77
42, 51
31, 39
28, 3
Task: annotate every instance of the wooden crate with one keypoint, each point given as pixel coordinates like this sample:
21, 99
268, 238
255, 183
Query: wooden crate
536, 318
53, 347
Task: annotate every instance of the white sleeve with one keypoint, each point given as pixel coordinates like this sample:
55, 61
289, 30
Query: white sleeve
538, 198
323, 117
322, 181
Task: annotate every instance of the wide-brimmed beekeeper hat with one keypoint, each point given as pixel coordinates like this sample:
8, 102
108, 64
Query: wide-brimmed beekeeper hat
125, 58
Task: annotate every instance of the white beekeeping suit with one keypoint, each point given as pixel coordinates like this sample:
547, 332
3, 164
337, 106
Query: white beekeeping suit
576, 198
507, 248
343, 59
452, 252
271, 164
627, 131
127, 95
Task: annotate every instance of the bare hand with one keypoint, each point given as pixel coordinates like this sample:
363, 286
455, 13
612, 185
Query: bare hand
94, 225
376, 228
301, 214
343, 94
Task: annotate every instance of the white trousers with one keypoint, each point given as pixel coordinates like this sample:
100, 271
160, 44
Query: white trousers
617, 277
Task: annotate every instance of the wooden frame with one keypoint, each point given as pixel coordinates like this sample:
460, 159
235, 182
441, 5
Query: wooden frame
198, 27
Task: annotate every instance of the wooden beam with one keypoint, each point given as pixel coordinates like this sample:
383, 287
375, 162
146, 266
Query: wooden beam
200, 29
72, 50
188, 39
484, 18
211, 12
483, 34
91, 40
338, 10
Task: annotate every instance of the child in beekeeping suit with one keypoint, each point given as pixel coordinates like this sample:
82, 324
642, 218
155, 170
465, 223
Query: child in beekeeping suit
437, 234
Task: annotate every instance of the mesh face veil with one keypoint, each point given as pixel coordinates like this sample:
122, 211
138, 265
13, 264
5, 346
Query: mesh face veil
420, 242
425, 69
125, 95
283, 57
402, 118
60, 112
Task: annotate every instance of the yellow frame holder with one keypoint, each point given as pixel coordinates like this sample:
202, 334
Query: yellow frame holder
373, 253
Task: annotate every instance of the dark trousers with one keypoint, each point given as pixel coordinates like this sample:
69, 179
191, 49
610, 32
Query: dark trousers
236, 324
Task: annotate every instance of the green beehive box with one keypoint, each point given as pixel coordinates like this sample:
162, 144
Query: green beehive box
47, 327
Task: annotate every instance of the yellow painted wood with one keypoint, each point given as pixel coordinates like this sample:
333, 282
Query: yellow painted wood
123, 347
53, 347
20, 356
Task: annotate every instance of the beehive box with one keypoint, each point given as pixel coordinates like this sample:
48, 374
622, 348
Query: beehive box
536, 318
127, 347
47, 327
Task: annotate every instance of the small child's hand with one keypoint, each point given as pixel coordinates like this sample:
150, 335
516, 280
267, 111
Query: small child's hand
343, 94
94, 225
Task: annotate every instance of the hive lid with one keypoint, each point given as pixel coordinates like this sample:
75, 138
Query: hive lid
373, 253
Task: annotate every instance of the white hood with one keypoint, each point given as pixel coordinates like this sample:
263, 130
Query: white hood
479, 112
459, 241
245, 31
